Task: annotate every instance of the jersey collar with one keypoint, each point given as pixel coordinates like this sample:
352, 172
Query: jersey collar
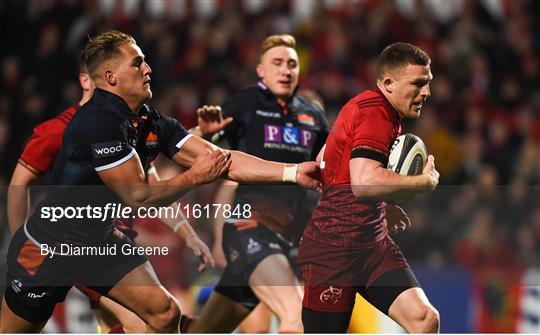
118, 102
266, 91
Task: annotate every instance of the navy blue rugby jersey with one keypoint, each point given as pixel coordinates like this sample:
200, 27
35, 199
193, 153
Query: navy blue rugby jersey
102, 135
291, 131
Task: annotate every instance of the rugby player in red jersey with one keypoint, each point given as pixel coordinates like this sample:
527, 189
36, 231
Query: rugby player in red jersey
346, 248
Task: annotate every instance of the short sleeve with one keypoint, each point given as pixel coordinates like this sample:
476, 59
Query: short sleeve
173, 137
41, 151
372, 135
104, 139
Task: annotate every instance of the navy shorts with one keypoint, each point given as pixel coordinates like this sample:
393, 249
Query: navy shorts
244, 250
36, 282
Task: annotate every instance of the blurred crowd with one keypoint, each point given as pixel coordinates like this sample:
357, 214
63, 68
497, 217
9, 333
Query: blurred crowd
482, 121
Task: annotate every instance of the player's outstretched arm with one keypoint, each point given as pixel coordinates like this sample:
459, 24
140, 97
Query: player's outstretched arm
252, 170
128, 179
371, 180
18, 197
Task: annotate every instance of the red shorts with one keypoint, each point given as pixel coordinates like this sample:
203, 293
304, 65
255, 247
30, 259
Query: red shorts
333, 275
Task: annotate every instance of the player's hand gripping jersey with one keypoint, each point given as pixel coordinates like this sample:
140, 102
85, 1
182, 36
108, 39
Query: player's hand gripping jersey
366, 127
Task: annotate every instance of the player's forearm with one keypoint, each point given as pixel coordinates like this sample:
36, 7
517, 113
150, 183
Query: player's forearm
382, 184
177, 223
17, 206
161, 193
250, 169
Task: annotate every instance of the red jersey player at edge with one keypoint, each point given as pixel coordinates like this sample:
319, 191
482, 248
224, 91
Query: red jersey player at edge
346, 248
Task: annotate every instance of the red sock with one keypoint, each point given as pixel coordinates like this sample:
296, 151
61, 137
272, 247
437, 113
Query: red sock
117, 329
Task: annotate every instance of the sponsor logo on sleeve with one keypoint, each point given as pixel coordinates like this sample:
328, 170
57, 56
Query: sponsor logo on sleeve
107, 149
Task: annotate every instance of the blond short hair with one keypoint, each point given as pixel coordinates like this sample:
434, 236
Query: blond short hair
276, 41
104, 47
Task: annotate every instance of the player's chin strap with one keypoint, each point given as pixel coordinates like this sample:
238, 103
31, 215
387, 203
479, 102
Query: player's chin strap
289, 173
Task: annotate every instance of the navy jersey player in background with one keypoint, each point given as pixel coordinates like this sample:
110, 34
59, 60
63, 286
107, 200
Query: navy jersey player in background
272, 122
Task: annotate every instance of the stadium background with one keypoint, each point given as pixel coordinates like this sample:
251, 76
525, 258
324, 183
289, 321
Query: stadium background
474, 243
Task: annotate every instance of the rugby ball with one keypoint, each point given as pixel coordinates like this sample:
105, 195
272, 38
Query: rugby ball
408, 155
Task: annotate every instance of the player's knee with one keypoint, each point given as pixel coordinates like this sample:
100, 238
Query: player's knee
292, 321
433, 320
427, 320
166, 318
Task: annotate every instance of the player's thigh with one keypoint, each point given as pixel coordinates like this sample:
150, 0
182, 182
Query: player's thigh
275, 284
12, 323
130, 322
258, 321
385, 290
141, 292
219, 315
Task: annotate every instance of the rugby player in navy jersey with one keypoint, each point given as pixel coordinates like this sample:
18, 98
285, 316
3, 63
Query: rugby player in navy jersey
272, 122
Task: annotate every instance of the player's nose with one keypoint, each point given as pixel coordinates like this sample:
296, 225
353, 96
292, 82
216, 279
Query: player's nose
426, 91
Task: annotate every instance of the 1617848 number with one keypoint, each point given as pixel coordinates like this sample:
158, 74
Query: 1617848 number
209, 211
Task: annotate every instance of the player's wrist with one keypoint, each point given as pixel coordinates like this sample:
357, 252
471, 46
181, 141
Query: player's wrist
290, 172
197, 131
425, 183
179, 224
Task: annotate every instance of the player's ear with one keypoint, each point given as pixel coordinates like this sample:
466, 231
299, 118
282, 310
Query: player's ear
111, 78
260, 70
388, 83
85, 81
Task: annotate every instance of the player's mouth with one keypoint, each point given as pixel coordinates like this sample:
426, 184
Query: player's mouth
418, 106
285, 83
147, 83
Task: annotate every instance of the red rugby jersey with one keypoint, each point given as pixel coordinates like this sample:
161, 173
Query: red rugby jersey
44, 145
366, 122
